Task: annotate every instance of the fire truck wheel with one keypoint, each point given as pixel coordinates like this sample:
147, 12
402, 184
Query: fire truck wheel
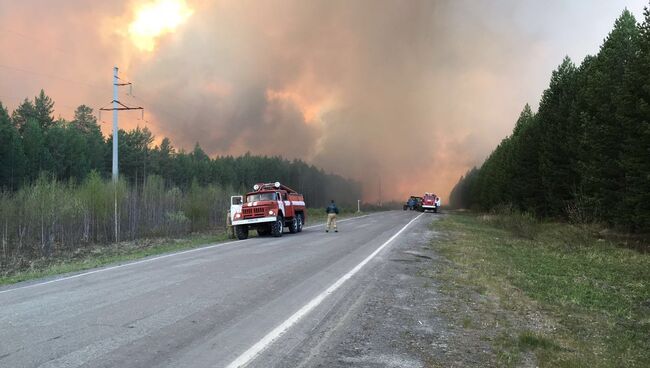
241, 232
300, 222
278, 227
293, 226
263, 231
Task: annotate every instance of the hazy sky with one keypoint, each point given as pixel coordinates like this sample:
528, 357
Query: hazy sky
412, 93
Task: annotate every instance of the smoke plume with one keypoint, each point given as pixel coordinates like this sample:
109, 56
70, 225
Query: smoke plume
403, 96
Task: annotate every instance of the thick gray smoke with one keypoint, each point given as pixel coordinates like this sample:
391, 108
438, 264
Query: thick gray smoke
406, 94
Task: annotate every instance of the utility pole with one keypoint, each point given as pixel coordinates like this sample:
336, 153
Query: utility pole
115, 130
117, 106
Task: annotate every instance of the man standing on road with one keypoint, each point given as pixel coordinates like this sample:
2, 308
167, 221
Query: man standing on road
332, 211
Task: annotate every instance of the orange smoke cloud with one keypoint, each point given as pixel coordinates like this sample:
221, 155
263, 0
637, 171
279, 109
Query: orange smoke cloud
411, 95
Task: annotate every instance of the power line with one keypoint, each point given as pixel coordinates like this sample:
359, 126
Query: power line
6, 30
44, 75
89, 85
21, 99
94, 86
117, 106
158, 109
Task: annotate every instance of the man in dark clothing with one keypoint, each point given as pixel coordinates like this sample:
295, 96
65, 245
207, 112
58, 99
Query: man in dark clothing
411, 203
331, 211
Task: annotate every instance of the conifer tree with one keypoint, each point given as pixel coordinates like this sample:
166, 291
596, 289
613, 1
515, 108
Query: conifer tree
603, 116
635, 155
12, 157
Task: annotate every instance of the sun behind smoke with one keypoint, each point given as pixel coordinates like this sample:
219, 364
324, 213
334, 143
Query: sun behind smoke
157, 18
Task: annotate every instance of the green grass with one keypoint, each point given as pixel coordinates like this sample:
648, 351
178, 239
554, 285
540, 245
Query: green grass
596, 292
101, 255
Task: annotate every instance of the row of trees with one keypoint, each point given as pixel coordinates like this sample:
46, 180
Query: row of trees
32, 142
48, 217
56, 194
585, 154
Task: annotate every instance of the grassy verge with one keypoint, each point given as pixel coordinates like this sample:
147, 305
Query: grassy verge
100, 255
595, 292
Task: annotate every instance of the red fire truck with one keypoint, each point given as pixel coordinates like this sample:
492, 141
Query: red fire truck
269, 208
430, 202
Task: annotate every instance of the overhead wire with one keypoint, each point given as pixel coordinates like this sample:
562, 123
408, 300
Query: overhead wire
45, 75
31, 38
39, 74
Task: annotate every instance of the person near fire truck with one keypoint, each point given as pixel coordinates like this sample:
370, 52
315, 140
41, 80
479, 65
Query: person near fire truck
332, 210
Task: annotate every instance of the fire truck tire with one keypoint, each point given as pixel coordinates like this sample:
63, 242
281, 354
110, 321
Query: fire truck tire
264, 231
241, 232
278, 227
293, 226
300, 222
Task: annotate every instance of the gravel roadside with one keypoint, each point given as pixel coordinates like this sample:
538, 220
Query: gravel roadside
407, 312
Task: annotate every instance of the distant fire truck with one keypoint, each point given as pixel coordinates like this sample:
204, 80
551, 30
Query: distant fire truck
269, 209
430, 202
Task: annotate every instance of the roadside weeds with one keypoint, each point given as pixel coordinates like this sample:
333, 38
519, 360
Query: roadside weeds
558, 298
94, 256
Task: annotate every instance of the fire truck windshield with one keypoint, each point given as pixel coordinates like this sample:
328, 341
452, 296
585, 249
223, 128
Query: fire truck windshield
261, 197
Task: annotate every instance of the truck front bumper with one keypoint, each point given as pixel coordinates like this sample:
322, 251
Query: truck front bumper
258, 220
428, 207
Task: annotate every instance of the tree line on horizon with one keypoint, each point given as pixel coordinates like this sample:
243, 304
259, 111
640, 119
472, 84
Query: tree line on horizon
33, 143
585, 154
57, 196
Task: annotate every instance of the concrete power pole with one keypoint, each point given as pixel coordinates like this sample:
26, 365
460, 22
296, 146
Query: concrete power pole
117, 106
115, 129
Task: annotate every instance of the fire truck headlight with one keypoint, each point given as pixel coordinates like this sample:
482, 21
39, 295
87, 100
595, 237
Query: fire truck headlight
238, 215
271, 212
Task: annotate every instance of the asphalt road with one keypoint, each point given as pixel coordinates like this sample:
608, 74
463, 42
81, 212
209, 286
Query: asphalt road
249, 301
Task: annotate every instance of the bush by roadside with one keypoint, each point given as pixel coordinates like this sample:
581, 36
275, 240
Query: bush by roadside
521, 224
50, 218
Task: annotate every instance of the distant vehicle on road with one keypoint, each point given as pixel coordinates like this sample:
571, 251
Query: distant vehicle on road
410, 203
430, 202
414, 203
269, 209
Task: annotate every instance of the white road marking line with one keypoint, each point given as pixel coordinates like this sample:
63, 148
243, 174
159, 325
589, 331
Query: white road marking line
250, 354
146, 260
122, 265
344, 220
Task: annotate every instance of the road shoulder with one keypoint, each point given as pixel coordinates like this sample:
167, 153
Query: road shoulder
401, 314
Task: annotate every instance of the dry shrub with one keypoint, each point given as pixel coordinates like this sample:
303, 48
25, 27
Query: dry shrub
521, 224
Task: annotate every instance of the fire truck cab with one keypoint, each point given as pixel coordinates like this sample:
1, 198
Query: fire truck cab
269, 209
430, 202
